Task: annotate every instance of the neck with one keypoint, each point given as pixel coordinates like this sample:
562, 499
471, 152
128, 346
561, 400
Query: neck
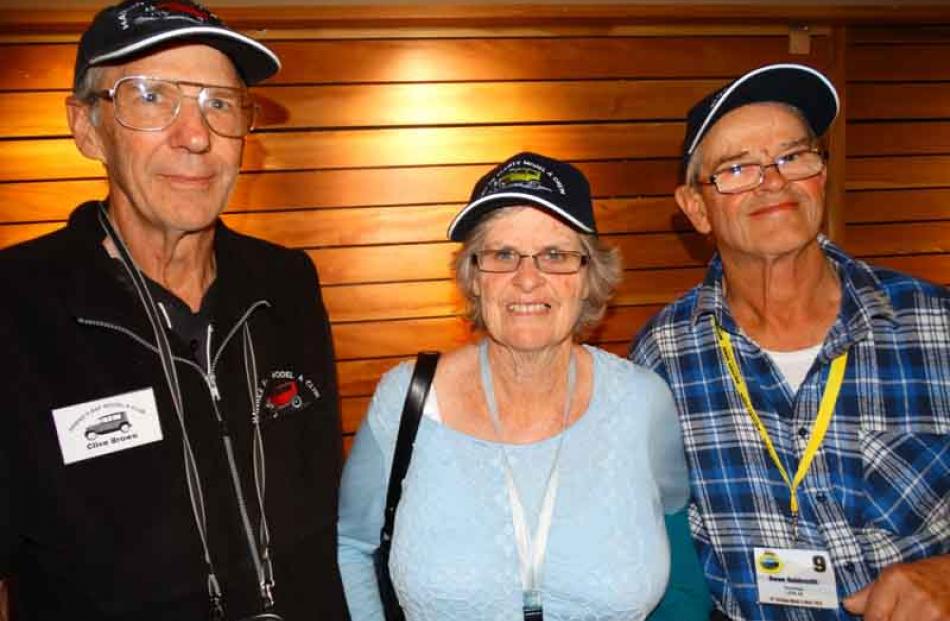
784, 302
530, 388
182, 262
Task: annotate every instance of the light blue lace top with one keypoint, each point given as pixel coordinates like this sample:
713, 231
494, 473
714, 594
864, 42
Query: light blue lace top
454, 555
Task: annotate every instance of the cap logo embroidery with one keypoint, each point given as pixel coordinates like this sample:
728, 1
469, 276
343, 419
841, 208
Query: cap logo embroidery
524, 177
144, 12
525, 174
193, 10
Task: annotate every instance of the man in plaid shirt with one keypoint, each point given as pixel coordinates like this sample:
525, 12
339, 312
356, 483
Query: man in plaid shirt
813, 389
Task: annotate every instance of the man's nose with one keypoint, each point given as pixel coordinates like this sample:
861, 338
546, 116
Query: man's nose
190, 130
772, 178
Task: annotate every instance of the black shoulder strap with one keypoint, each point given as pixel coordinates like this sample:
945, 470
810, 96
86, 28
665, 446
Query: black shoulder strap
426, 362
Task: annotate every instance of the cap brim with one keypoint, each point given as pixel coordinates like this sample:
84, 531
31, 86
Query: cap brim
797, 85
466, 219
254, 61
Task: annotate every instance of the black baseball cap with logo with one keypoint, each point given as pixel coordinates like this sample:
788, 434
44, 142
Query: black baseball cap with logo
136, 27
529, 179
802, 87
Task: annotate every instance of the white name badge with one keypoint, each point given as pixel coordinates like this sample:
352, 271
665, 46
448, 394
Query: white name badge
107, 425
795, 578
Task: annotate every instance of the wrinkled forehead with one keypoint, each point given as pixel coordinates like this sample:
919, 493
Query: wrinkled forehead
757, 127
190, 62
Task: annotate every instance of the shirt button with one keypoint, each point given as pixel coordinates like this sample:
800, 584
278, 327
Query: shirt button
803, 432
821, 497
849, 566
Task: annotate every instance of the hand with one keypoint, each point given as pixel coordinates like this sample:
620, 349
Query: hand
916, 591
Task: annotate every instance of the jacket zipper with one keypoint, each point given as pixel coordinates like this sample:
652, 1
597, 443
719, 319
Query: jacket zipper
211, 380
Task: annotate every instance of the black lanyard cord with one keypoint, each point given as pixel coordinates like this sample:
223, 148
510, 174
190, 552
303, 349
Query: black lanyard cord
195, 491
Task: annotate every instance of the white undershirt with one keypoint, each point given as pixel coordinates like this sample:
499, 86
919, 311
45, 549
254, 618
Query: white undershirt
430, 408
794, 365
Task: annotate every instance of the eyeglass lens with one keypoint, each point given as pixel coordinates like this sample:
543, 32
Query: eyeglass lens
550, 261
793, 167
151, 105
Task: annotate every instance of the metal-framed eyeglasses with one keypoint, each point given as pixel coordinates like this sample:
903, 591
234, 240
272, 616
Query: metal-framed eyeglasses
744, 176
549, 261
151, 104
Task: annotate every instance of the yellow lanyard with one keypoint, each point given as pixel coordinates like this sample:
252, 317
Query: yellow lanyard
828, 400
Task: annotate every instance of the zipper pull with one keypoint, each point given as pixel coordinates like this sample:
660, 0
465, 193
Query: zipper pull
213, 385
212, 380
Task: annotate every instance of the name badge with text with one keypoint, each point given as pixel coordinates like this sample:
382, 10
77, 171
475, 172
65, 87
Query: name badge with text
107, 425
795, 578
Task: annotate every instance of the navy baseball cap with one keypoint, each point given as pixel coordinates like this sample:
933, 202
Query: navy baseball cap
529, 179
136, 27
803, 87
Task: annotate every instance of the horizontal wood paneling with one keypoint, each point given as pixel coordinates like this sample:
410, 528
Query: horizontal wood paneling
898, 206
893, 34
15, 233
913, 171
40, 114
53, 200
44, 201
33, 114
359, 377
369, 143
439, 298
36, 67
899, 138
421, 146
352, 411
426, 223
394, 60
929, 100
383, 263
904, 238
349, 265
557, 19
898, 62
932, 267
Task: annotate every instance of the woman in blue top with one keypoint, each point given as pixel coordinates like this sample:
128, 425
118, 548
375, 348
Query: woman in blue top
543, 469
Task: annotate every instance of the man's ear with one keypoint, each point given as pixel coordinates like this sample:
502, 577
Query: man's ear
85, 130
692, 204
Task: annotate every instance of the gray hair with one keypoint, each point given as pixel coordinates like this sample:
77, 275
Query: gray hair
88, 86
603, 272
695, 162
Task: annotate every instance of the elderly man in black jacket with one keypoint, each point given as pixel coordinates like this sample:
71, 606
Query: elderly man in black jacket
170, 445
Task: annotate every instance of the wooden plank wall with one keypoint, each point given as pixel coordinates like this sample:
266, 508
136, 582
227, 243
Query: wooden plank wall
371, 139
898, 148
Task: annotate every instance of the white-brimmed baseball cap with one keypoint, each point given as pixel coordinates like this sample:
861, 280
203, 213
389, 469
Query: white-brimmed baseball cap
136, 27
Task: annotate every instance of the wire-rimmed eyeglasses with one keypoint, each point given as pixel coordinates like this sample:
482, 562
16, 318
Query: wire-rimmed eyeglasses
151, 104
742, 177
550, 261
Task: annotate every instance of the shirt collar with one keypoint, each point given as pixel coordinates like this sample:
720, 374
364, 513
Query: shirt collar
863, 297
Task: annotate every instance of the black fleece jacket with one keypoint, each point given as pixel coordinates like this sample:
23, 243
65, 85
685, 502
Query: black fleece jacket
113, 535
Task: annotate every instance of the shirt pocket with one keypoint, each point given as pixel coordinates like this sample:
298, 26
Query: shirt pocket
906, 477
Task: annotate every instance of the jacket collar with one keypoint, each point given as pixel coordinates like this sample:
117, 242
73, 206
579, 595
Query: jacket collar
101, 290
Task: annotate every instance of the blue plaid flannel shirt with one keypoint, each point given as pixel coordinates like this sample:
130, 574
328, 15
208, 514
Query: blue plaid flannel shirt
878, 491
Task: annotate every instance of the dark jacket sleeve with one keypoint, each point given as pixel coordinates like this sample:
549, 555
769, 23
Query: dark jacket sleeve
8, 382
317, 342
